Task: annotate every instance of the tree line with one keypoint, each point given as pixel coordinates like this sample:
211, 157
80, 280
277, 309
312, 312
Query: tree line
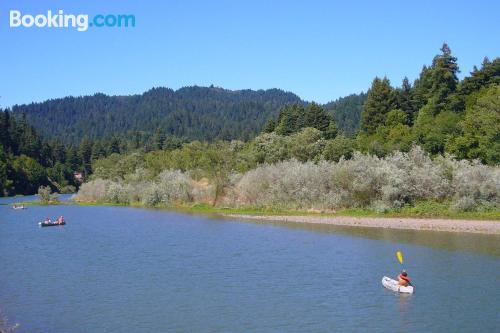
438, 112
28, 160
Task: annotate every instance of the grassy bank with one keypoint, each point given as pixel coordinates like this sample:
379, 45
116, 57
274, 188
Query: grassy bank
420, 210
424, 209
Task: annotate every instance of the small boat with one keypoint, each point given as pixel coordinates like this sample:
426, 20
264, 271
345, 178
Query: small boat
394, 286
50, 224
19, 207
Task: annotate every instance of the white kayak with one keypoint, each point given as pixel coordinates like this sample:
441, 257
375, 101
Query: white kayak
394, 286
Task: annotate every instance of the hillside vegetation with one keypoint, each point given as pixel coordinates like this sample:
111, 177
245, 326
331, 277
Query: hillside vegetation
436, 140
190, 113
438, 127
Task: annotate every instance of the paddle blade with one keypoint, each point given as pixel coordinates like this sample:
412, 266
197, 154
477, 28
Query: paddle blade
400, 257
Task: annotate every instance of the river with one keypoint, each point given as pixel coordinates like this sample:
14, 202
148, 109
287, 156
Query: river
120, 269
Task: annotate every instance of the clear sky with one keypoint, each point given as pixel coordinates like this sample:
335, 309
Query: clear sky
320, 50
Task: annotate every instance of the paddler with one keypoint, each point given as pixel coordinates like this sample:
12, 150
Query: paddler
403, 279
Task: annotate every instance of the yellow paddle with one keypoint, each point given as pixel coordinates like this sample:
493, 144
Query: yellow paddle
400, 257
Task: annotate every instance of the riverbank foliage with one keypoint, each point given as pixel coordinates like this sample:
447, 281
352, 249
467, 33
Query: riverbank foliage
435, 141
396, 181
27, 161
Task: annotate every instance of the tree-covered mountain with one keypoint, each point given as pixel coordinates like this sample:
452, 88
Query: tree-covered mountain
204, 113
346, 112
201, 113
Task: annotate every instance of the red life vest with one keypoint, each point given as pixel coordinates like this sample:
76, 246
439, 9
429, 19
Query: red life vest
407, 279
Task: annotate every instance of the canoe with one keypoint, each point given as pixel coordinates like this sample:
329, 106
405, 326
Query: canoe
394, 286
20, 207
50, 224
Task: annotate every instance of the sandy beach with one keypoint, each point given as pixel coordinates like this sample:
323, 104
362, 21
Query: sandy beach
449, 225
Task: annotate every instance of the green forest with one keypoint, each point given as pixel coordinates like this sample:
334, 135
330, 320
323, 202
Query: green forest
437, 138
27, 161
191, 113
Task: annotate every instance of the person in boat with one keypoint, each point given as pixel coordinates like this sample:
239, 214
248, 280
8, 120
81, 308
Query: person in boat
403, 279
60, 220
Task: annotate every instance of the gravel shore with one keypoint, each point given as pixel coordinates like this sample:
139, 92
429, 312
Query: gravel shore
474, 226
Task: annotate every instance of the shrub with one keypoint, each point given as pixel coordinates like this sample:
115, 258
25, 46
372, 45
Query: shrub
366, 181
172, 186
369, 181
93, 191
337, 148
46, 196
118, 193
475, 184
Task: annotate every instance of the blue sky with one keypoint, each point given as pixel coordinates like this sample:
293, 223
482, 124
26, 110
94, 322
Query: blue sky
320, 50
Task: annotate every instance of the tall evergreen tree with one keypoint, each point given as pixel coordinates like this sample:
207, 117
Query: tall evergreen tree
379, 102
316, 117
5, 129
159, 138
98, 150
72, 158
269, 126
290, 120
404, 100
114, 145
85, 154
444, 78
422, 88
5, 183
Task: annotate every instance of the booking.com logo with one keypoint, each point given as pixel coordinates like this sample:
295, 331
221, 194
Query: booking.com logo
80, 22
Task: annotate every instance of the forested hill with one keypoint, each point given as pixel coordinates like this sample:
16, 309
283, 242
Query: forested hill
204, 113
347, 111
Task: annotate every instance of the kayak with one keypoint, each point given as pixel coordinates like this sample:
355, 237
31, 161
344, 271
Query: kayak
394, 286
50, 224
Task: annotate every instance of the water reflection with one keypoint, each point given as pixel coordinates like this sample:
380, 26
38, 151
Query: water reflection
453, 241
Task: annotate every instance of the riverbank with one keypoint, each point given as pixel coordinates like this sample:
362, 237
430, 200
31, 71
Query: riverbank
449, 225
426, 215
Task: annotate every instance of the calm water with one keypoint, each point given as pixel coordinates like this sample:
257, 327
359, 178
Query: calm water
115, 269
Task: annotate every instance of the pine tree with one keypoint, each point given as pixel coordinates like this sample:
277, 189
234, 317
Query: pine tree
291, 119
4, 129
98, 150
444, 78
331, 131
5, 183
58, 152
379, 102
114, 145
422, 88
404, 100
85, 154
317, 117
269, 126
72, 159
159, 138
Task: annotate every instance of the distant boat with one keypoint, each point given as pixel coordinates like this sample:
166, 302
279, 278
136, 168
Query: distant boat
19, 207
50, 224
